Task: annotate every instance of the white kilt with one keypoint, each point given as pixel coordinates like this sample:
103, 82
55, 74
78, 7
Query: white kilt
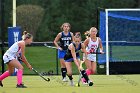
7, 58
91, 57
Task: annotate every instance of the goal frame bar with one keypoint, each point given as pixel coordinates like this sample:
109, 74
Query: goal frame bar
107, 44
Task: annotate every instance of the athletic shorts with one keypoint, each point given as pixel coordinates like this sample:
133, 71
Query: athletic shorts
7, 58
61, 54
71, 59
91, 57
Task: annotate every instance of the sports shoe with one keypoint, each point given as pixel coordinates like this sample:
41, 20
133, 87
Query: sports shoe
1, 84
71, 83
21, 86
64, 79
90, 83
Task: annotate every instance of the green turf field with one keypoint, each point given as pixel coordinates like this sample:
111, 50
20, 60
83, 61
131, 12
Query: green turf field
126, 52
103, 84
41, 58
44, 59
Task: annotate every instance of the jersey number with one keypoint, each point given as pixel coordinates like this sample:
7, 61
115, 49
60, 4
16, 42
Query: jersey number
66, 43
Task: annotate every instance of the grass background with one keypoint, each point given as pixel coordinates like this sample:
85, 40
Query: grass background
44, 59
102, 84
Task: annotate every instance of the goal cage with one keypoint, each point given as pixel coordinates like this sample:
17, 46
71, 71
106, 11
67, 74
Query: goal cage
120, 34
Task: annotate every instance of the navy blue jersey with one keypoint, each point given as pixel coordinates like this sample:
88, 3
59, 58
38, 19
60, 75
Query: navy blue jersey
65, 40
68, 53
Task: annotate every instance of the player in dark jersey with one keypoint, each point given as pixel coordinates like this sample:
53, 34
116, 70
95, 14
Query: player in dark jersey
65, 37
72, 54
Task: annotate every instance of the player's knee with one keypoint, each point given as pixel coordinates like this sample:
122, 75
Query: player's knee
21, 67
11, 72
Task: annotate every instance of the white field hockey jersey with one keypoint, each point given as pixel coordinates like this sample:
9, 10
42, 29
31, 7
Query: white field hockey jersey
92, 46
14, 50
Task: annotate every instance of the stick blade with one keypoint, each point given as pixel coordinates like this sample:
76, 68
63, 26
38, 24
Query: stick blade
48, 79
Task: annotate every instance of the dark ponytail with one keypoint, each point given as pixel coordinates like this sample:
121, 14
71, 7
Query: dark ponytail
77, 35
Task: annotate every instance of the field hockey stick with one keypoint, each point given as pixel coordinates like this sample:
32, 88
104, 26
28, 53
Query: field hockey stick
80, 75
79, 79
46, 45
48, 79
96, 53
81, 65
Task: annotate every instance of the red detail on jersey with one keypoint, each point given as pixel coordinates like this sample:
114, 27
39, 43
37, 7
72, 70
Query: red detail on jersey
19, 49
93, 48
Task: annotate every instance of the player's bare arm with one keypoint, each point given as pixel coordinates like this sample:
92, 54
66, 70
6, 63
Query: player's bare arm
84, 50
56, 40
86, 42
22, 45
72, 36
100, 46
71, 47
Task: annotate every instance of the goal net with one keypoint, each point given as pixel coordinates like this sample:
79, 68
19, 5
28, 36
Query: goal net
119, 31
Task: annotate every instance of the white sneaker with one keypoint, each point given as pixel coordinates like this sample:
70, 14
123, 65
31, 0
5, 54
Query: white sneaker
64, 79
71, 83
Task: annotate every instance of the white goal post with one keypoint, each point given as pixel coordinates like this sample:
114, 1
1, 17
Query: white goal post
107, 39
14, 13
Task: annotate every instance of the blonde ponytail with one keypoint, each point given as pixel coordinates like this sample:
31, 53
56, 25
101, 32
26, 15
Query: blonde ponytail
26, 35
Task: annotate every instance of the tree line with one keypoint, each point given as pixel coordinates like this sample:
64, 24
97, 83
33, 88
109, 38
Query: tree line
43, 18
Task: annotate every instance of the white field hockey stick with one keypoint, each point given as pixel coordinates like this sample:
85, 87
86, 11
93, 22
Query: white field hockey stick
50, 46
81, 65
80, 75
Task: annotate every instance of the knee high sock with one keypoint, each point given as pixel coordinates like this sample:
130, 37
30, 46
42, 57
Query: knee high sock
70, 77
19, 76
64, 72
4, 75
88, 71
84, 74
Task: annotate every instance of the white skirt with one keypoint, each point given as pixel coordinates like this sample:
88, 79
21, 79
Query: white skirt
8, 58
91, 57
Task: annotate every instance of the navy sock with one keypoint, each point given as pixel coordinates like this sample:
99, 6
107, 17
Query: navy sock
64, 72
84, 74
70, 77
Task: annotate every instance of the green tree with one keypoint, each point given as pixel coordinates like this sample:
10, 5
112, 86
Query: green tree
81, 14
29, 17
